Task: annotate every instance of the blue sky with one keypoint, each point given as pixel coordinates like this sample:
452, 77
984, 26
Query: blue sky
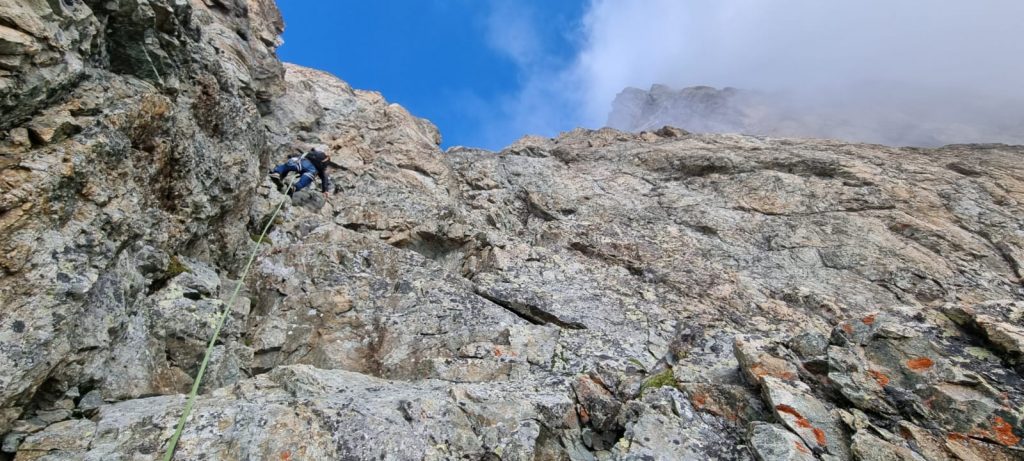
458, 63
487, 72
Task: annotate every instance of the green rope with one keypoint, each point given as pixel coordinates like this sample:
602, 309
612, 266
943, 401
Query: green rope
169, 454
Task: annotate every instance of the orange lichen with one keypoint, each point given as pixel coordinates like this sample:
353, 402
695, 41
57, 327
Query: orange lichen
920, 363
880, 377
869, 319
286, 455
848, 328
819, 436
1003, 432
801, 422
699, 401
956, 437
800, 447
760, 370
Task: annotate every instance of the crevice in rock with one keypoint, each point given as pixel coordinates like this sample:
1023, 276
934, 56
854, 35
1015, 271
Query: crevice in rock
603, 429
157, 285
263, 305
419, 171
356, 227
1004, 252
433, 246
529, 312
613, 260
700, 166
174, 268
974, 334
11, 117
548, 444
373, 362
534, 208
704, 230
810, 167
896, 292
264, 356
14, 25
964, 169
859, 209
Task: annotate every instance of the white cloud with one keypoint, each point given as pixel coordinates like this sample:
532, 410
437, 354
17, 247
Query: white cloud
957, 62
512, 31
545, 101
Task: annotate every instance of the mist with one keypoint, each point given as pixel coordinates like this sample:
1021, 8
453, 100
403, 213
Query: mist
906, 72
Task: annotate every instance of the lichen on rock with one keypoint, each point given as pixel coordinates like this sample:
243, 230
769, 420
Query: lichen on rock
598, 295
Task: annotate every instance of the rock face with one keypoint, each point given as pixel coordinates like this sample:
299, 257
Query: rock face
601, 295
121, 120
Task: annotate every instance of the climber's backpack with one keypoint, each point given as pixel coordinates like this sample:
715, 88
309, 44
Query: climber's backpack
316, 157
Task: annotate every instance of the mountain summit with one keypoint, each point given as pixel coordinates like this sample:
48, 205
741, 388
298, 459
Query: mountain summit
700, 109
895, 115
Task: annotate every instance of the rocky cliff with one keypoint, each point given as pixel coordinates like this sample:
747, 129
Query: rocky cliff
601, 295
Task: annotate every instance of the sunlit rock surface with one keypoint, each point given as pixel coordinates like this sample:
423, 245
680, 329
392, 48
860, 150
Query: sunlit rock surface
600, 295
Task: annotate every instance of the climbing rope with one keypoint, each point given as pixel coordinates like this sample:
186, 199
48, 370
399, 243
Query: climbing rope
169, 454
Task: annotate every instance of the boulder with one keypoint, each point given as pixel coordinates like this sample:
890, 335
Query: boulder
808, 417
757, 364
868, 447
771, 442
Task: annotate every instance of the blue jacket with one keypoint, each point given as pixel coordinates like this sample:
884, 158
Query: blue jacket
316, 163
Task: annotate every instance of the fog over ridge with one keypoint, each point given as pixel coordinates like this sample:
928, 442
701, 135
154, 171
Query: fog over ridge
897, 72
907, 72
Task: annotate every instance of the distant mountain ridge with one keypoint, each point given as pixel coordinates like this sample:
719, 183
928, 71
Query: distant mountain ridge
897, 115
698, 108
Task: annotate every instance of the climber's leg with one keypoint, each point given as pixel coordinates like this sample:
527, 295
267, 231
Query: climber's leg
282, 170
305, 180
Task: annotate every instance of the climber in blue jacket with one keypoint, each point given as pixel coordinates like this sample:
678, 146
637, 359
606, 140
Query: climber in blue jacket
308, 165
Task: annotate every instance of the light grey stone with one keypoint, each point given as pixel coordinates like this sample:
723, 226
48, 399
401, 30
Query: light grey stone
806, 416
90, 401
771, 442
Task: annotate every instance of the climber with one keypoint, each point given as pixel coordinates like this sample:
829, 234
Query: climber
312, 163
